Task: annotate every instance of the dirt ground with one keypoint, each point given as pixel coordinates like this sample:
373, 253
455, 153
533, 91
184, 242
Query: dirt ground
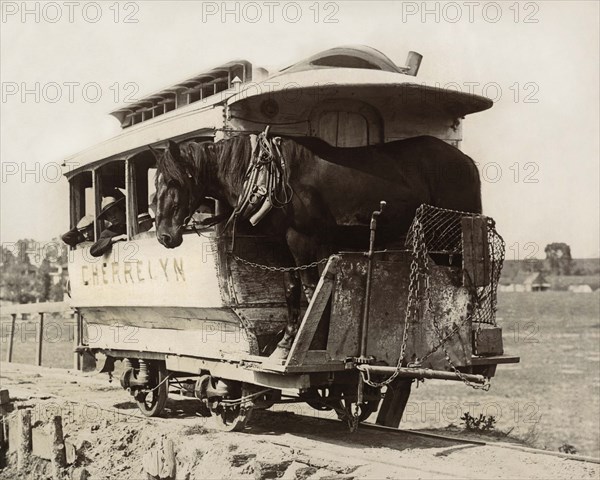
112, 439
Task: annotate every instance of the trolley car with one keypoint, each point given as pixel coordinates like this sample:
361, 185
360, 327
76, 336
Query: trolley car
197, 317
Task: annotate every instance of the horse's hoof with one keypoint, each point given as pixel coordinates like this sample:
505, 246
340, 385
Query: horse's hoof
280, 353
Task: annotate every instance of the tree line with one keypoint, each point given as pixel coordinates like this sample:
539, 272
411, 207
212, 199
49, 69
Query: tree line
25, 281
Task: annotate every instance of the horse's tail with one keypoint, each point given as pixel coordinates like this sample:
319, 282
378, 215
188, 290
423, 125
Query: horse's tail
453, 177
477, 184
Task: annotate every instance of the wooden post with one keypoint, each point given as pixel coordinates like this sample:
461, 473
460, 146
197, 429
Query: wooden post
77, 341
160, 463
97, 187
5, 406
58, 458
131, 199
11, 337
24, 438
40, 339
313, 314
476, 255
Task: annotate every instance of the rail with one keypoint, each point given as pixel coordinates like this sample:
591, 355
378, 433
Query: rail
41, 309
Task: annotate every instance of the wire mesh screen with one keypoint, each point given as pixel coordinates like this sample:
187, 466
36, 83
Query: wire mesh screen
439, 231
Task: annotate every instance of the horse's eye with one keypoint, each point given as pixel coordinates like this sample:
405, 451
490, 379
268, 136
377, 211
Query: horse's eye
174, 197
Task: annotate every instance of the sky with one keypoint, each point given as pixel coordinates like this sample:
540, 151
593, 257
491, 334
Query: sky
65, 65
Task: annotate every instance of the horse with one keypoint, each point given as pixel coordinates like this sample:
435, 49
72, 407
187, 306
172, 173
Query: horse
333, 189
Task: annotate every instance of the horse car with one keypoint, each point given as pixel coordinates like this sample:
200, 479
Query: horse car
311, 235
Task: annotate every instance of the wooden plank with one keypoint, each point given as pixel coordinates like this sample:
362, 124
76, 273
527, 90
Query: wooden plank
11, 431
253, 286
143, 273
232, 371
11, 337
488, 341
468, 259
347, 306
394, 402
41, 443
202, 338
40, 340
313, 314
476, 262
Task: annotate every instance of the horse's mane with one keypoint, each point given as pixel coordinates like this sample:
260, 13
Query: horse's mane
170, 168
228, 158
186, 159
233, 156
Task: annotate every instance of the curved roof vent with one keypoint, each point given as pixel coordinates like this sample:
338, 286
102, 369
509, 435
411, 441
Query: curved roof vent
360, 56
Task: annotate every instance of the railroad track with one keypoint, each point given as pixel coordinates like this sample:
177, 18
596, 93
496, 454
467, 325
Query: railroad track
455, 439
365, 426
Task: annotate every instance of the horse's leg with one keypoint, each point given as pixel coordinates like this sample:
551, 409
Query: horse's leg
293, 292
303, 248
293, 286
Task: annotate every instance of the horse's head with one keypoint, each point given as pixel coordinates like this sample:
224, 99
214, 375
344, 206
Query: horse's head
177, 194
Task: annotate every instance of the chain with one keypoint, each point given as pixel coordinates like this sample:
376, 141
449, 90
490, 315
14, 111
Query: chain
353, 419
485, 387
419, 280
456, 327
418, 271
442, 343
280, 269
437, 347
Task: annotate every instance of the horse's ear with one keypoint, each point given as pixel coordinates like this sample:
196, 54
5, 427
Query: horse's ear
174, 149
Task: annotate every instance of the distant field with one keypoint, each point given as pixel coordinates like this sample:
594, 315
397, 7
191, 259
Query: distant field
552, 397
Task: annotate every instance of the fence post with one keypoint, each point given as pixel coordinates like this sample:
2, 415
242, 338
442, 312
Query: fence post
40, 338
77, 341
23, 438
11, 337
58, 457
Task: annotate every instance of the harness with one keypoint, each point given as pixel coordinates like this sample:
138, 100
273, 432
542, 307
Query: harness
266, 183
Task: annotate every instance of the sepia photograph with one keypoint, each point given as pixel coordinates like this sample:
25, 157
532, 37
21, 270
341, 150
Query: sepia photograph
299, 240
